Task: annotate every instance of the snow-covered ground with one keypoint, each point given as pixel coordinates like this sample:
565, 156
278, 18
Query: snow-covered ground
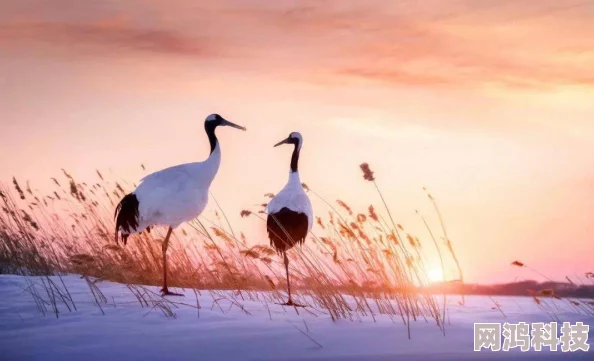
128, 331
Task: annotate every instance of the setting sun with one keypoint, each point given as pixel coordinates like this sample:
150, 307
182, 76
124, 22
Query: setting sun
435, 275
301, 180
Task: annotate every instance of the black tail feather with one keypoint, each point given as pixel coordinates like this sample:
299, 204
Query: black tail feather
286, 228
126, 216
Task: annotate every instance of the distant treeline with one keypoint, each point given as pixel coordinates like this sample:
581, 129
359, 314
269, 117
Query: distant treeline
522, 288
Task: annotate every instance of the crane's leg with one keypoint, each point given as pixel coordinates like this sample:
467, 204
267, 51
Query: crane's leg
165, 290
290, 302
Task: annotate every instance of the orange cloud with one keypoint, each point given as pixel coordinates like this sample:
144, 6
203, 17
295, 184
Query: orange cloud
455, 43
114, 34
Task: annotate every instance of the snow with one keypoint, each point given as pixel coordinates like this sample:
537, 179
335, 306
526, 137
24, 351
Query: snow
128, 331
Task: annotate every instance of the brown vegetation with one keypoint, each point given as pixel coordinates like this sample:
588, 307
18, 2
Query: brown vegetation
361, 259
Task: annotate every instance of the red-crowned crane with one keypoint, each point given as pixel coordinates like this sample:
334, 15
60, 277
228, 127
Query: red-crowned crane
171, 196
290, 214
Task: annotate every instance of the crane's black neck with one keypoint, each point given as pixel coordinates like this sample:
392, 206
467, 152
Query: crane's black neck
210, 128
295, 157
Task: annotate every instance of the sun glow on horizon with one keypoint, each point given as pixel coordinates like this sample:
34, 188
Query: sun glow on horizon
435, 275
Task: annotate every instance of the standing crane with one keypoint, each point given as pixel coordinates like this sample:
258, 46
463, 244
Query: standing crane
290, 215
171, 196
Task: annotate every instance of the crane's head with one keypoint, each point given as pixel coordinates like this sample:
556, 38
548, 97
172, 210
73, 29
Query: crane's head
294, 138
214, 120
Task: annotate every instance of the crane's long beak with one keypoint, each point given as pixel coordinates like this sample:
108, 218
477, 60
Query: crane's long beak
233, 125
284, 141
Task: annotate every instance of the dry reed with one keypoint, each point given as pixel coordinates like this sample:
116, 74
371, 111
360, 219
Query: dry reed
359, 266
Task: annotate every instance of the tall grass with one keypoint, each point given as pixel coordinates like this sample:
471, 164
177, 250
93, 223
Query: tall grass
354, 263
544, 298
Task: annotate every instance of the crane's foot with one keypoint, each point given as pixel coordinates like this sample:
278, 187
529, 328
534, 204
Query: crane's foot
292, 304
165, 292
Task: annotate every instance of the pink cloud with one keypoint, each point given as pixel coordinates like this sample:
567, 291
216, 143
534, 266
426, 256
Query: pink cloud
111, 34
455, 43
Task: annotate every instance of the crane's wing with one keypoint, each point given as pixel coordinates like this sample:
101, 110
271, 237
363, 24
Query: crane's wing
172, 195
171, 174
295, 199
286, 228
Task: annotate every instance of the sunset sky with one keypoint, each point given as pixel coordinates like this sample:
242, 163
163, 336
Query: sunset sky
487, 103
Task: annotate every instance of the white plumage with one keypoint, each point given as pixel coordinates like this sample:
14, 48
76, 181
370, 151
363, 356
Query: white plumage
293, 197
173, 195
177, 194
